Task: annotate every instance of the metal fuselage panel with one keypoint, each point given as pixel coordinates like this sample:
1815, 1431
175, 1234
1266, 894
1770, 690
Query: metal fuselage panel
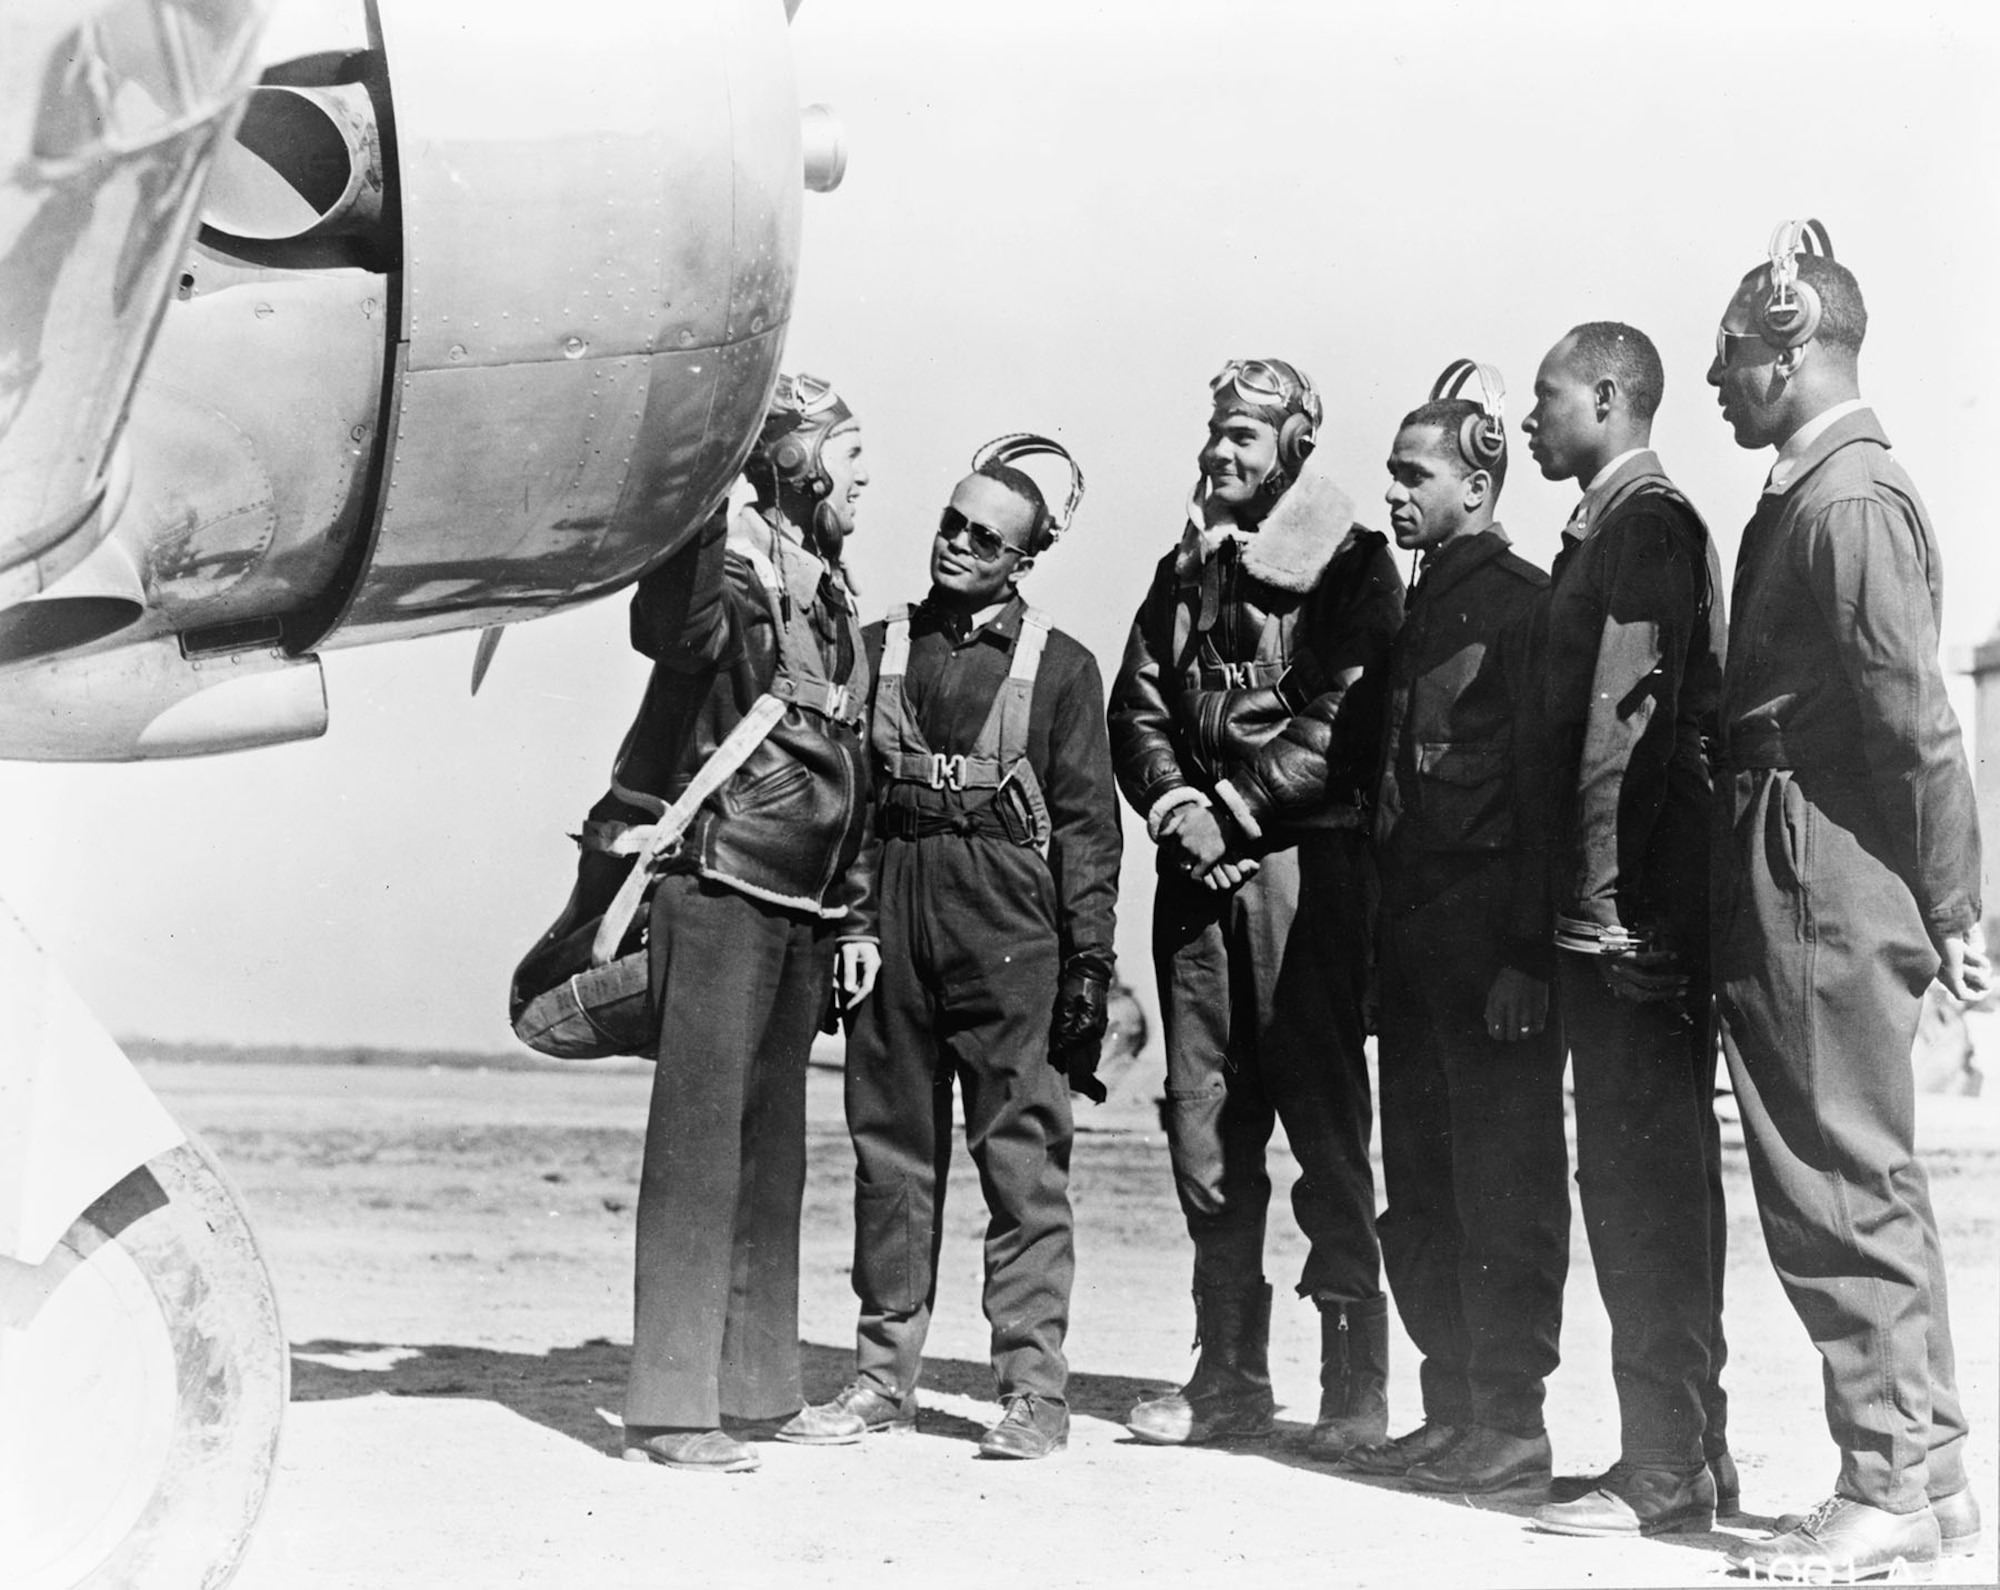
599, 252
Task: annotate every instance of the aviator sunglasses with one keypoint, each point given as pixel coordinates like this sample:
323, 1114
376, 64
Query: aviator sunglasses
987, 544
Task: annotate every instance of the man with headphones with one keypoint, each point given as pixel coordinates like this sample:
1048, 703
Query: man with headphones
1634, 664
1244, 725
1848, 878
996, 824
761, 900
1475, 1235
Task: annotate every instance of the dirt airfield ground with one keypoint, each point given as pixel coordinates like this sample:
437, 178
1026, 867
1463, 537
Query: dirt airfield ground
452, 1251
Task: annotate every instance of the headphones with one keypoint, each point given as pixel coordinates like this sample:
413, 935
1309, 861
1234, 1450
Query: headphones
1790, 316
1482, 439
1050, 526
809, 411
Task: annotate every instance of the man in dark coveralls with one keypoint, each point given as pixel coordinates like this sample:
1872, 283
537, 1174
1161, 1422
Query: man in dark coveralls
743, 930
1475, 1235
997, 824
1245, 722
1634, 664
1849, 879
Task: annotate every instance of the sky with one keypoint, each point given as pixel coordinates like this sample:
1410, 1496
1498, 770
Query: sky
1064, 216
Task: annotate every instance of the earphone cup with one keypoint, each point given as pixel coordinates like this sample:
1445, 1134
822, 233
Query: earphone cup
1793, 329
1481, 440
1295, 441
788, 459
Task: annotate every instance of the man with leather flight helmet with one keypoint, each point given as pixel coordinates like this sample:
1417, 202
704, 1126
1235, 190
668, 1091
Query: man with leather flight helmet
1244, 724
737, 804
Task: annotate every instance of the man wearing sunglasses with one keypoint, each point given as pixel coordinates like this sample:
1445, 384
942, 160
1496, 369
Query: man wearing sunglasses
1244, 722
998, 835
1849, 878
1634, 664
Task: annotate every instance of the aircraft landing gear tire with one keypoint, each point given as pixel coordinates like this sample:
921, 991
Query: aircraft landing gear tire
143, 1379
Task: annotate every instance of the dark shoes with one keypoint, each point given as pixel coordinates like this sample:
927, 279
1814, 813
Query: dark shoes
1721, 1469
1176, 1419
1483, 1462
1353, 1377
1228, 1398
857, 1411
1842, 1541
696, 1451
1399, 1456
1635, 1501
1032, 1427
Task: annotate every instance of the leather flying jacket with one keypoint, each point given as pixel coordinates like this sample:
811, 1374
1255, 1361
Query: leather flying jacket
788, 826
1253, 672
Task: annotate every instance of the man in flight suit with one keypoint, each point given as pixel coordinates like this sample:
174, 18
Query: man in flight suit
1634, 664
1475, 1237
997, 823
1245, 723
743, 927
1848, 879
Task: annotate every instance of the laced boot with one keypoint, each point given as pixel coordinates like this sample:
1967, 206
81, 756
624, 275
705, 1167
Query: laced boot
1353, 1378
1228, 1398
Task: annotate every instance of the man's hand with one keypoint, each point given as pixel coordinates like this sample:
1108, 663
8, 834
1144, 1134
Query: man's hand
1517, 1005
855, 967
1965, 971
1645, 977
1198, 835
1076, 1031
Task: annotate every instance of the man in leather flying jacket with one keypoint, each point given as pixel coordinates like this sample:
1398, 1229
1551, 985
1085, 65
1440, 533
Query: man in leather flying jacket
1244, 725
745, 921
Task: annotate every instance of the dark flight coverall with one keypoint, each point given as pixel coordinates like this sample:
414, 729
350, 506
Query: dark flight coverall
1252, 678
1852, 850
1475, 1235
741, 960
1635, 639
976, 930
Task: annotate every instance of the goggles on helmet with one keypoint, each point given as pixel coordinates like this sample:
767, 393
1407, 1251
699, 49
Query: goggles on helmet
804, 403
1267, 385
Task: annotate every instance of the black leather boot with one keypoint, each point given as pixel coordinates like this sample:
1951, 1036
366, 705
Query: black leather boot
1353, 1377
1228, 1398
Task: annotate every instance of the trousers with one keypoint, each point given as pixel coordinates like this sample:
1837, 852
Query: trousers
740, 985
1822, 960
1475, 1234
1649, 1179
1260, 993
970, 962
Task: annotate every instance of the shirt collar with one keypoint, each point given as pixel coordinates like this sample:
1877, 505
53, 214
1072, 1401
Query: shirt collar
1793, 452
1001, 621
1631, 461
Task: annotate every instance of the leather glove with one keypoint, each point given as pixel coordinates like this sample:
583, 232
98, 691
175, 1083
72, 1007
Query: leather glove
1076, 1031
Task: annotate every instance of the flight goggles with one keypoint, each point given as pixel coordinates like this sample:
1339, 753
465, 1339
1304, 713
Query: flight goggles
1267, 384
804, 403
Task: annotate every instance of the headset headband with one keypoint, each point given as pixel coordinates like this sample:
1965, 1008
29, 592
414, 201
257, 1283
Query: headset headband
1492, 389
1026, 444
1482, 439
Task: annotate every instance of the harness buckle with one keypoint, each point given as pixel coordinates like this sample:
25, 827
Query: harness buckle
947, 771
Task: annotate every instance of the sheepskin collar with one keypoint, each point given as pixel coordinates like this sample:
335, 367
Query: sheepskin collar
1299, 537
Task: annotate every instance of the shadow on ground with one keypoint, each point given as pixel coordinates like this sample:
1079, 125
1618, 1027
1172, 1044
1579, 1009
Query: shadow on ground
565, 1388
